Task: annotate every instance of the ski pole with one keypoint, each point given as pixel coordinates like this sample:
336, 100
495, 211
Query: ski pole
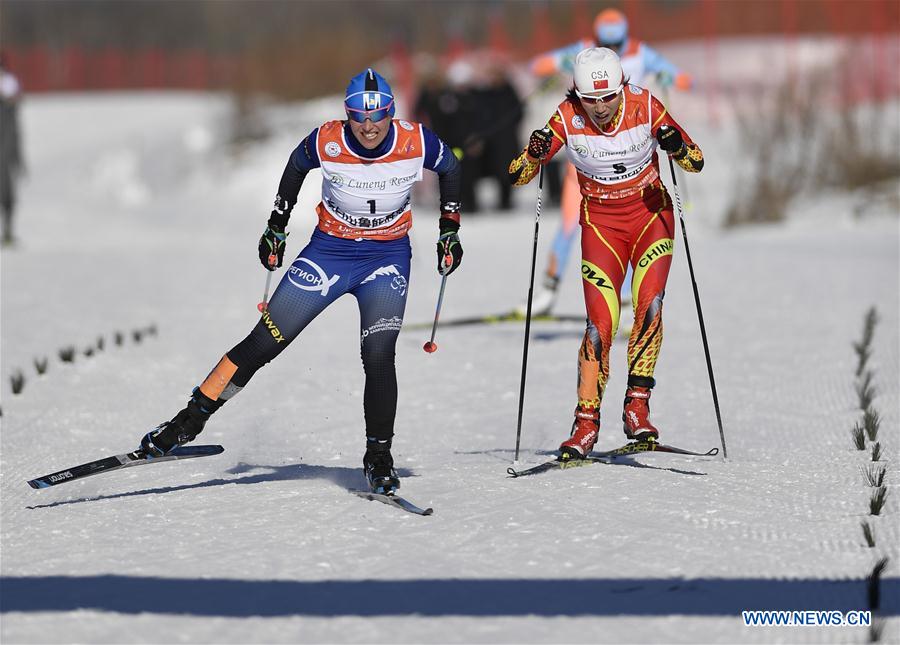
265, 301
430, 346
537, 224
687, 252
665, 97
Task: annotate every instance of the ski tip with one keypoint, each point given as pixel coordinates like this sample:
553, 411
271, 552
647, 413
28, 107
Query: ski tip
392, 500
713, 452
38, 484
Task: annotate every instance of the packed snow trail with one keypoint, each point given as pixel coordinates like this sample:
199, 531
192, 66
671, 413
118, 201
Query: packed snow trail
263, 543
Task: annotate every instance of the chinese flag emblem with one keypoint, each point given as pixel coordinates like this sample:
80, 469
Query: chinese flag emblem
601, 85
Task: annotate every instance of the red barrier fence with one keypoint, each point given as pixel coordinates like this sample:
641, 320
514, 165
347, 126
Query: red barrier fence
518, 29
43, 69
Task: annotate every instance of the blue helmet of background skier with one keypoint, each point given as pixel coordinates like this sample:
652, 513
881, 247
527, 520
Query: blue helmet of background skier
369, 96
611, 29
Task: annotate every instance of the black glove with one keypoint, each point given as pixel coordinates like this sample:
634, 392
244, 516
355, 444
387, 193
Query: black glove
669, 139
271, 246
449, 248
539, 143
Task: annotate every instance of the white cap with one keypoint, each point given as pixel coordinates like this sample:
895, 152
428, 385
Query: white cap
460, 73
598, 69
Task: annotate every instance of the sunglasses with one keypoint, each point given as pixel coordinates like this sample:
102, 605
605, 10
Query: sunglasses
360, 116
606, 98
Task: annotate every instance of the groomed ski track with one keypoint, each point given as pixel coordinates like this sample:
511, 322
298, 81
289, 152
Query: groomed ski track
263, 543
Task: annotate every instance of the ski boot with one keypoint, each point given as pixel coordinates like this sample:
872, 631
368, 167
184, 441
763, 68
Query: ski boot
584, 435
183, 428
378, 464
543, 301
636, 415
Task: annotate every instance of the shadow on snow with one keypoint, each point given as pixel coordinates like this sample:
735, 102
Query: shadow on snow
505, 455
438, 597
343, 476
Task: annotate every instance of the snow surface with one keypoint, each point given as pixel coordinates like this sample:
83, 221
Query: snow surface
133, 216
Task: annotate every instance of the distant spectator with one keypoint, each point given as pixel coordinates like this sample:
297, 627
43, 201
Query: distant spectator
444, 108
499, 113
477, 112
10, 146
463, 119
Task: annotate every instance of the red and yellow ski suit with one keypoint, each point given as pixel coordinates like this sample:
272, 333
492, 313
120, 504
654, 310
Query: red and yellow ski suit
626, 216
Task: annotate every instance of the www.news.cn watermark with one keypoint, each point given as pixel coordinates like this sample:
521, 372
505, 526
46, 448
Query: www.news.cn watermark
807, 618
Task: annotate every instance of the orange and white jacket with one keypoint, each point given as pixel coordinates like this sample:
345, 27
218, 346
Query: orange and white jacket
368, 198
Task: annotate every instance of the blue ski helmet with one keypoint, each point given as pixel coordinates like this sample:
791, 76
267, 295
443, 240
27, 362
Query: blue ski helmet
611, 28
369, 97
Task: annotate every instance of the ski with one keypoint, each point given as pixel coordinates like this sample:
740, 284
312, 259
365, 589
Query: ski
555, 464
116, 462
652, 446
511, 316
606, 456
392, 500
